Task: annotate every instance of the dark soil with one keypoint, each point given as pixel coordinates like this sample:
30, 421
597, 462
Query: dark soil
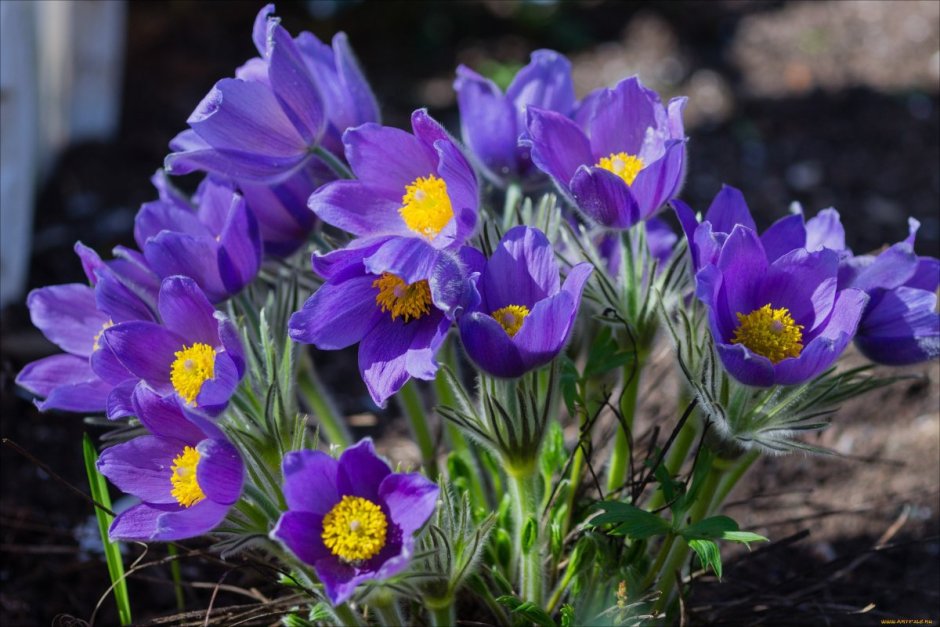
866, 143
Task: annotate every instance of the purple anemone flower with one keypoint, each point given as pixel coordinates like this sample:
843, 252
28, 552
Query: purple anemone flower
216, 228
194, 354
416, 186
352, 519
525, 316
187, 474
492, 121
397, 310
74, 316
900, 325
729, 208
777, 322
621, 158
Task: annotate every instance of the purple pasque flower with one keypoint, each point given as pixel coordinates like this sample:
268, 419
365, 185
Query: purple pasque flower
621, 158
492, 121
777, 322
352, 519
900, 325
74, 316
214, 239
186, 473
396, 297
262, 126
525, 315
194, 354
729, 208
407, 185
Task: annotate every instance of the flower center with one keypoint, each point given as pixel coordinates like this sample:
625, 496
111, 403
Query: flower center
354, 529
769, 332
193, 366
426, 207
623, 165
410, 301
511, 318
186, 488
97, 340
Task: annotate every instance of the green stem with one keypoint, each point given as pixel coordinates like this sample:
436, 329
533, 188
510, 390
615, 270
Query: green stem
675, 457
559, 590
346, 616
525, 491
389, 614
177, 578
732, 477
443, 616
619, 460
656, 568
322, 405
410, 402
333, 162
513, 194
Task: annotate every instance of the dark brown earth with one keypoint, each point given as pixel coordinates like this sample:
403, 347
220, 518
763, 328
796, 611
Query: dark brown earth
828, 103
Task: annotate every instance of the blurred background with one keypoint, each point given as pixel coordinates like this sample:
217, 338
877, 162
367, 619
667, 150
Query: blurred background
829, 103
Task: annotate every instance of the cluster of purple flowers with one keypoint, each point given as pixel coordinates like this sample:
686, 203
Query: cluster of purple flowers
276, 144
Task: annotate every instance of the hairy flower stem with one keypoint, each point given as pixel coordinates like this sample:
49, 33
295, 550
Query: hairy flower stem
345, 616
513, 194
389, 614
443, 616
410, 402
619, 460
321, 404
525, 491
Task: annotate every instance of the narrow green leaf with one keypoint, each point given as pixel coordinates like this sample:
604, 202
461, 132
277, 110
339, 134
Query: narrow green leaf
112, 552
527, 610
743, 536
633, 521
708, 554
709, 528
530, 533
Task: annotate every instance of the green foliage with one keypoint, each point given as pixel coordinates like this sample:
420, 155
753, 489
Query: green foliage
525, 613
708, 554
630, 521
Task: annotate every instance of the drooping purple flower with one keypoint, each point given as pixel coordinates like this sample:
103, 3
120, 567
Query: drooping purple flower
214, 239
777, 322
621, 158
74, 316
396, 309
525, 315
729, 208
194, 354
900, 325
492, 121
352, 519
408, 185
186, 473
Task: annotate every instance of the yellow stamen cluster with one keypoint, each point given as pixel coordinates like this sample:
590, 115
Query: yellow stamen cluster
409, 301
354, 529
511, 318
186, 488
770, 332
193, 366
426, 207
97, 340
623, 165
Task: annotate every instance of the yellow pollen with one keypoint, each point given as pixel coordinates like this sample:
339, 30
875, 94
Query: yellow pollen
97, 339
354, 529
193, 366
426, 207
769, 332
410, 301
623, 165
511, 318
186, 488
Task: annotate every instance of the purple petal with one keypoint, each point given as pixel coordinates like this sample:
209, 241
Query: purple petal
67, 382
171, 253
409, 258
301, 532
901, 327
660, 181
605, 198
197, 520
359, 103
747, 367
729, 209
462, 191
220, 472
157, 216
621, 117
216, 392
79, 397
522, 270
489, 346
107, 366
186, 311
926, 276
804, 283
67, 315
355, 208
410, 499
339, 579
743, 265
293, 86
240, 250
146, 349
361, 471
143, 467
310, 480
825, 231
114, 299
163, 417
387, 159
259, 32
232, 343
345, 263
120, 404
784, 235
889, 270
488, 123
192, 153
559, 147
452, 289
545, 83
337, 315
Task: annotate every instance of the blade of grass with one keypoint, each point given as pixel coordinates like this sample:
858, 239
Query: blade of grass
112, 552
177, 578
